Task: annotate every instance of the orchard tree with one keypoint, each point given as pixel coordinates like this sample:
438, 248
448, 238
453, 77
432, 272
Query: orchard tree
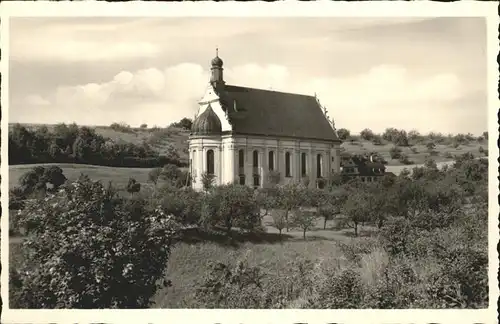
279, 220
303, 219
154, 175
92, 249
289, 197
356, 209
231, 206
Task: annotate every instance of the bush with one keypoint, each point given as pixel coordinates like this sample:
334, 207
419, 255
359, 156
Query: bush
341, 291
224, 286
92, 249
395, 152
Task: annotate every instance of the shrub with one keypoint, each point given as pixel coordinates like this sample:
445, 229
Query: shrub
207, 180
395, 152
341, 291
405, 160
92, 249
227, 286
279, 220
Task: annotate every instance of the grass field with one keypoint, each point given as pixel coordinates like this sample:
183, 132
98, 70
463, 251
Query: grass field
119, 176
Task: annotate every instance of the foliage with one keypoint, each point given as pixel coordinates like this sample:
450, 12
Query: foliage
367, 134
133, 186
231, 206
273, 178
74, 144
184, 123
279, 219
395, 152
91, 249
154, 175
343, 133
207, 180
304, 220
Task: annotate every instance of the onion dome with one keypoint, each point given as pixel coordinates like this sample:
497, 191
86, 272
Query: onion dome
217, 61
207, 123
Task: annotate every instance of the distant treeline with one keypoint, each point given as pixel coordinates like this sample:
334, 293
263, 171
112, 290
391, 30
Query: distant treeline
74, 144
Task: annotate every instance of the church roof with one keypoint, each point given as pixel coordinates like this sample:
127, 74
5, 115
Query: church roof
207, 123
271, 113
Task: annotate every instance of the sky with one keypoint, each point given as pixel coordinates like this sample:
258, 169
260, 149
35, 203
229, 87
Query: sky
427, 74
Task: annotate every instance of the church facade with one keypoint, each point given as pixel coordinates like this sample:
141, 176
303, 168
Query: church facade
241, 135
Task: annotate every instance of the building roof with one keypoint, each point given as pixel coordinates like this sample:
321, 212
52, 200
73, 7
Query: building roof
207, 123
271, 113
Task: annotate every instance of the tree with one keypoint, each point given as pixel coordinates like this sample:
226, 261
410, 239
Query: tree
395, 152
207, 180
331, 205
92, 249
304, 220
356, 209
343, 133
232, 205
367, 134
289, 197
133, 186
485, 135
279, 220
154, 175
430, 146
144, 126
273, 178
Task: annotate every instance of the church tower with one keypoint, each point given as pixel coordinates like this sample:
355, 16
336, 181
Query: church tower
216, 78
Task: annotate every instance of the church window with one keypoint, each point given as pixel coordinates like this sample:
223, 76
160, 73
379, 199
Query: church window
210, 162
255, 159
288, 172
241, 162
303, 164
242, 179
319, 166
271, 160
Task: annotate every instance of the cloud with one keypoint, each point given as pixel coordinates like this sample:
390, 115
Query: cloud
377, 98
36, 100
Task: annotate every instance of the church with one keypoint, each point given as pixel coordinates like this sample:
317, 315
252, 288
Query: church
241, 135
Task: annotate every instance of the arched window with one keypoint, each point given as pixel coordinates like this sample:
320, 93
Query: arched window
319, 166
288, 172
303, 164
271, 160
255, 159
210, 162
241, 162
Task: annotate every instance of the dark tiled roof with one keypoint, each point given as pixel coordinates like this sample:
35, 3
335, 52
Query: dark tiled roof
207, 123
271, 113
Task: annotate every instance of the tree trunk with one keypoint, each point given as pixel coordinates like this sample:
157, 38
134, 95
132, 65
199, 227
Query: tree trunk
380, 223
286, 219
304, 234
324, 224
356, 229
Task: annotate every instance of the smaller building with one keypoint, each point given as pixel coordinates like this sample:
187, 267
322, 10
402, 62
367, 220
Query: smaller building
368, 169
